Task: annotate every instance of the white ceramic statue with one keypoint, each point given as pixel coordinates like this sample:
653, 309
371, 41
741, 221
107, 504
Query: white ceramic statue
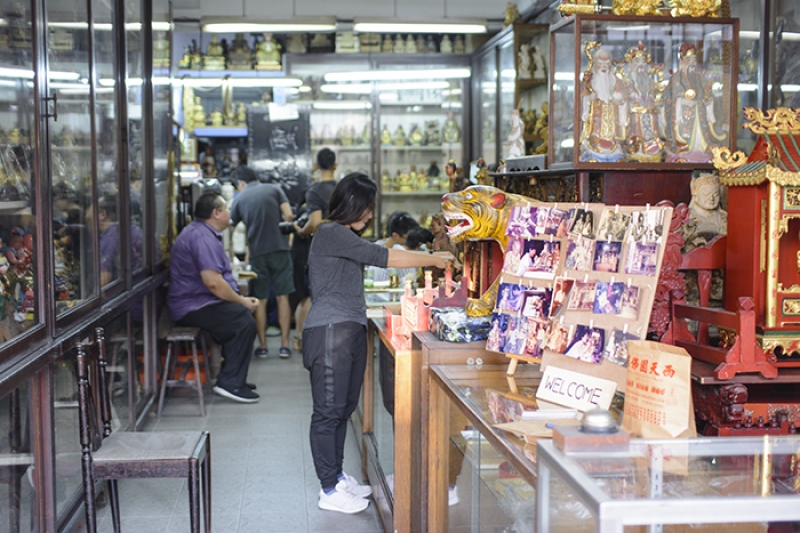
524, 68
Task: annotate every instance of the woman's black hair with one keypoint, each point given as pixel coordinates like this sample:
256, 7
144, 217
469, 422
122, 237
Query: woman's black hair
351, 198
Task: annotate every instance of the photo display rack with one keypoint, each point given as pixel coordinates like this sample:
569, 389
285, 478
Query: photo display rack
578, 281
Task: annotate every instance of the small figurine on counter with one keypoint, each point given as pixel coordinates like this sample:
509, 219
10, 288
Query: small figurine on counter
456, 182
524, 65
482, 176
386, 181
420, 44
441, 241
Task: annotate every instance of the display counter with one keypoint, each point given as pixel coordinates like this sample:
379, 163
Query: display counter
395, 415
501, 480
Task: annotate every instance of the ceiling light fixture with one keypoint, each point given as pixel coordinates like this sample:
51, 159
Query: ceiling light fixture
366, 88
297, 24
432, 26
341, 105
383, 75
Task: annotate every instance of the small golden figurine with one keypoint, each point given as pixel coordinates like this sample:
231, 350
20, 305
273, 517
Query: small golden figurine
399, 137
215, 58
268, 54
386, 136
217, 118
511, 15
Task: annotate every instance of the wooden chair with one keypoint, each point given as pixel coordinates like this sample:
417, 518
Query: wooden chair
108, 456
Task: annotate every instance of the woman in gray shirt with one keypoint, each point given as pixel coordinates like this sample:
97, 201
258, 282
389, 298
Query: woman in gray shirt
334, 334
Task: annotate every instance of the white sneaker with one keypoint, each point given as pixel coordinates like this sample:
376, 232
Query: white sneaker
452, 496
342, 500
362, 491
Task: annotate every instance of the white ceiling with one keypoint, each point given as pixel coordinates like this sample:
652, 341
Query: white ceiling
346, 9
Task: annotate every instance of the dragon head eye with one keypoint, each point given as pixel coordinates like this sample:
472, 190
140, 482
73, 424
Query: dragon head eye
468, 196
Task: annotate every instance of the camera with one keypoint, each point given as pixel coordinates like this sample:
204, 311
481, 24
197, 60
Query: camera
286, 227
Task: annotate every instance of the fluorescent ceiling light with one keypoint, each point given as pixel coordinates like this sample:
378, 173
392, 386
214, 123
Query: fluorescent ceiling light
105, 26
433, 26
451, 92
297, 24
366, 88
63, 85
381, 75
451, 105
16, 73
55, 75
238, 82
341, 105
304, 89
85, 90
564, 76
640, 27
786, 36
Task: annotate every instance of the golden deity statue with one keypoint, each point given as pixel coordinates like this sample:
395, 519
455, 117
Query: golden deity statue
268, 54
217, 118
198, 114
239, 55
399, 137
386, 136
215, 56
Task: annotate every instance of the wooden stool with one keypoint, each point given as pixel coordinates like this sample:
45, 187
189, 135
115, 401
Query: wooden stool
186, 335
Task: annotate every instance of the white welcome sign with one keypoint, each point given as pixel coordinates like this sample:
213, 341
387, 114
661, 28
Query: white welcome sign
572, 389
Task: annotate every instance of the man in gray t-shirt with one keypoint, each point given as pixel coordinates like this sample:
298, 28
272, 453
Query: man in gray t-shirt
261, 206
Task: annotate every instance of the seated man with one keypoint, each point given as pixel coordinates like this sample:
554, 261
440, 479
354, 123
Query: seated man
203, 293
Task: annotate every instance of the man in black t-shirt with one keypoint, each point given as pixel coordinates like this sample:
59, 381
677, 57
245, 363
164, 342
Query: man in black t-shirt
317, 197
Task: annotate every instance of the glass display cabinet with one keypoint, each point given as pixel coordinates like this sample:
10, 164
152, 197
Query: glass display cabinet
511, 73
740, 481
642, 92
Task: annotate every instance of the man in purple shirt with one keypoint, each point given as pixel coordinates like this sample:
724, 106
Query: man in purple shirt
203, 293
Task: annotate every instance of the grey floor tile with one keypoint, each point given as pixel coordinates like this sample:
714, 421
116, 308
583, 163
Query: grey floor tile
263, 478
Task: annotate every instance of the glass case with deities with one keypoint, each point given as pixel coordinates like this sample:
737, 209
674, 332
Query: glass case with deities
639, 92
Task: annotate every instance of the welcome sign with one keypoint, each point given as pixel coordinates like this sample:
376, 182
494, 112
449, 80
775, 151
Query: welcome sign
572, 389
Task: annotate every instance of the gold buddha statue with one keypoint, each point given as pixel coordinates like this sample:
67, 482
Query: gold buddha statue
215, 57
399, 137
422, 181
451, 132
217, 118
415, 136
268, 54
239, 55
387, 46
406, 185
386, 181
386, 136
198, 114
161, 50
186, 58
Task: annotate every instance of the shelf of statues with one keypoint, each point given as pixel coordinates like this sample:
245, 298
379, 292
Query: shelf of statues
236, 57
411, 181
340, 147
419, 140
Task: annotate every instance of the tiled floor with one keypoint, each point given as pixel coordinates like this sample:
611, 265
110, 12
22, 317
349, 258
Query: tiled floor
263, 478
